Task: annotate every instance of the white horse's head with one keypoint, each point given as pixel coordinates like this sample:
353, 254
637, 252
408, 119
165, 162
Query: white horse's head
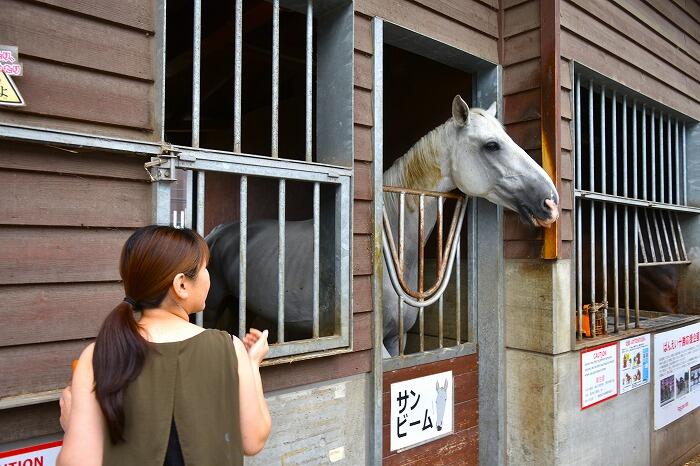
487, 163
440, 400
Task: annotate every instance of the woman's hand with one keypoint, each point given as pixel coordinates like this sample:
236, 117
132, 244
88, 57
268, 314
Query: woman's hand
65, 403
256, 345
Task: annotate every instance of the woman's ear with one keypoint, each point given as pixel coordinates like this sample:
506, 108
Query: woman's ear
180, 286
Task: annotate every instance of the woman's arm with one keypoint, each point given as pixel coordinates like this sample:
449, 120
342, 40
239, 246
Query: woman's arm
255, 416
84, 424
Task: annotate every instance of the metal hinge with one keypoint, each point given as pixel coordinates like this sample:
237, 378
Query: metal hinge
162, 168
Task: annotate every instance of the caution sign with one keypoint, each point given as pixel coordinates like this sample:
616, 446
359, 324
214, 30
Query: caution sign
44, 454
9, 94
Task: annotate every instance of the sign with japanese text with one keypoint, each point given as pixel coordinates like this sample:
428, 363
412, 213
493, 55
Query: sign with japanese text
635, 354
9, 61
422, 409
10, 66
44, 454
598, 374
676, 374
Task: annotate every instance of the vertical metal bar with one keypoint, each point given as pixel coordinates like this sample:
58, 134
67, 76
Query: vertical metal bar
458, 289
642, 248
402, 332
280, 260
317, 256
636, 272
439, 234
275, 77
309, 77
578, 133
199, 317
627, 269
669, 159
653, 157
662, 177
196, 66
604, 219
421, 313
591, 148
579, 268
603, 180
421, 246
591, 139
644, 153
440, 321
673, 234
684, 165
243, 256
652, 249
678, 167
613, 142
680, 236
635, 154
238, 72
402, 229
663, 229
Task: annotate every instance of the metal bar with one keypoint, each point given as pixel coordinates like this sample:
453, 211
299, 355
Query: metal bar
644, 152
281, 218
201, 180
309, 77
642, 247
604, 219
613, 142
658, 237
196, 67
238, 72
243, 257
678, 168
440, 321
592, 243
662, 176
684, 164
579, 269
669, 160
275, 77
418, 192
635, 154
402, 231
653, 157
636, 273
652, 264
317, 256
632, 202
578, 133
680, 236
421, 244
458, 290
439, 235
659, 213
627, 269
603, 180
402, 331
652, 249
615, 271
673, 234
421, 315
591, 140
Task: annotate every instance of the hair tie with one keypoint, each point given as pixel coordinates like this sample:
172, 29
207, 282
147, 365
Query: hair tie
130, 301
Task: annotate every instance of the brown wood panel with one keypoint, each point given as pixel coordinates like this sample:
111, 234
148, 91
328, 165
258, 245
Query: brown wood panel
135, 13
30, 421
625, 23
536, 155
363, 107
362, 217
521, 77
363, 181
521, 47
575, 48
68, 200
37, 368
662, 26
466, 414
691, 7
525, 134
431, 24
362, 255
59, 255
468, 12
47, 313
566, 142
521, 18
566, 249
679, 17
589, 28
523, 106
65, 37
567, 223
362, 293
458, 366
363, 34
363, 71
362, 331
567, 167
565, 74
363, 143
515, 229
316, 370
459, 449
507, 4
56, 91
522, 249
566, 111
40, 158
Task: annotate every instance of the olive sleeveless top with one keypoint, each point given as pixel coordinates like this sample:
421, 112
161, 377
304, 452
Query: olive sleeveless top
192, 384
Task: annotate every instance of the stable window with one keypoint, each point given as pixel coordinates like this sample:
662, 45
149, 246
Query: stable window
632, 207
259, 150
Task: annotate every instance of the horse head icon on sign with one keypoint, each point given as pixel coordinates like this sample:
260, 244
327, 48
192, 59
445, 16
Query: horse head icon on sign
440, 401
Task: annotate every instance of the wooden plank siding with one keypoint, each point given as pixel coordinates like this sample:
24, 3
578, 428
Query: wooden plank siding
462, 446
88, 67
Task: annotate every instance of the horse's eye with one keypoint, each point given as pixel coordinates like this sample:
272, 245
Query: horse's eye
492, 146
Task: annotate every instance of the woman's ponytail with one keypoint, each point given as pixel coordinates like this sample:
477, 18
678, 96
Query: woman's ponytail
119, 355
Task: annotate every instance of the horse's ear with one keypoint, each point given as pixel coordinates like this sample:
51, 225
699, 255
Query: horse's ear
460, 111
445, 384
437, 385
492, 109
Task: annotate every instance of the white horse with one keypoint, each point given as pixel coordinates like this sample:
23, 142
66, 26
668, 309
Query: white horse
470, 152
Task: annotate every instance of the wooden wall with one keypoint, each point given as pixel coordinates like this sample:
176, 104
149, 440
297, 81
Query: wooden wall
462, 446
88, 66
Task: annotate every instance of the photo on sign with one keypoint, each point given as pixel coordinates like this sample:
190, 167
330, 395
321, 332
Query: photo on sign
667, 391
682, 384
695, 377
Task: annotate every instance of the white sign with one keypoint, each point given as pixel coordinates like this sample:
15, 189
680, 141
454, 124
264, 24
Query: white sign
676, 374
422, 409
635, 354
598, 374
37, 455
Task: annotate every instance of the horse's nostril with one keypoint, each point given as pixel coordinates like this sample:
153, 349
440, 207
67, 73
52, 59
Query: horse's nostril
550, 205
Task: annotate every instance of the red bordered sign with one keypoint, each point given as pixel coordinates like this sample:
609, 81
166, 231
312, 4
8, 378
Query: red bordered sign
44, 454
599, 374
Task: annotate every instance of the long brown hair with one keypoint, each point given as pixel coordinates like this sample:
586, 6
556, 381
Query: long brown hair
150, 260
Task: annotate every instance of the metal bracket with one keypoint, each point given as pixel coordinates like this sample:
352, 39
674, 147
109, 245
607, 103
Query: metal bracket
162, 168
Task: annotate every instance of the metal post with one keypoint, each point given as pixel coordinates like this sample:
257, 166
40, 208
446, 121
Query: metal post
644, 152
591, 157
653, 157
199, 318
579, 181
670, 160
275, 76
458, 289
243, 256
678, 168
613, 120
662, 180
238, 72
604, 219
309, 77
636, 270
317, 243
196, 66
280, 260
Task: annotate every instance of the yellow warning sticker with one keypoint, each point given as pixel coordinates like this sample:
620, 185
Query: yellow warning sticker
9, 94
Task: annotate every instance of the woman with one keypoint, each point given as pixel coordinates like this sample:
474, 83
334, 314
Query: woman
160, 390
